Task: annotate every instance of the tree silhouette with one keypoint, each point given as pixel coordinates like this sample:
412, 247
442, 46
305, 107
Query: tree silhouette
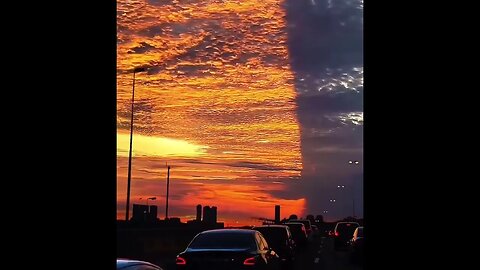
319, 218
311, 218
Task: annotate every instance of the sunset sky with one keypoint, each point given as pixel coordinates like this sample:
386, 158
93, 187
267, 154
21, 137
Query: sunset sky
252, 103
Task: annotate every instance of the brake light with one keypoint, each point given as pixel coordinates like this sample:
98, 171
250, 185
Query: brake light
336, 233
249, 261
181, 261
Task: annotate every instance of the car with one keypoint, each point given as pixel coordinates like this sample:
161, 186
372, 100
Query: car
299, 233
126, 264
356, 244
307, 223
228, 249
315, 231
280, 239
343, 233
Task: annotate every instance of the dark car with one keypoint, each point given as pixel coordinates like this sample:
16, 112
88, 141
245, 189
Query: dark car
126, 264
299, 233
343, 233
315, 231
228, 249
357, 243
307, 223
280, 239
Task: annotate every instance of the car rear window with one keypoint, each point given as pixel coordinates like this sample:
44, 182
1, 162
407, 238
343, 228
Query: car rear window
295, 229
274, 236
225, 240
306, 223
346, 228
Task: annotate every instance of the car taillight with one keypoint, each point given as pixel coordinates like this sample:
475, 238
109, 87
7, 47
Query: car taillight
336, 233
181, 261
249, 261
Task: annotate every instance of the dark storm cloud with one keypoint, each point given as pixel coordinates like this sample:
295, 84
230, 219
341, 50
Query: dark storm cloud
325, 42
324, 37
345, 137
330, 103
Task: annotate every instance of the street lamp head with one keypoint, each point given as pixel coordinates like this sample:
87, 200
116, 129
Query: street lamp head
350, 162
139, 69
356, 162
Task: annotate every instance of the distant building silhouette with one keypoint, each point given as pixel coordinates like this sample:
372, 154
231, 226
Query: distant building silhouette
152, 214
209, 214
213, 213
144, 213
277, 214
173, 221
145, 216
139, 213
206, 214
199, 213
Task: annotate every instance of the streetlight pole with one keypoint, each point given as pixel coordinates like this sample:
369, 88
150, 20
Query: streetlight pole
135, 70
168, 186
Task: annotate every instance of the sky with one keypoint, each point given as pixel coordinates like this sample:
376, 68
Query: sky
252, 103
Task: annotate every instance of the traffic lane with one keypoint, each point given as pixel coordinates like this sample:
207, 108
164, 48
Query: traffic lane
305, 257
330, 259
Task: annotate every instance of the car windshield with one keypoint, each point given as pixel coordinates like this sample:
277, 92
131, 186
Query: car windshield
227, 240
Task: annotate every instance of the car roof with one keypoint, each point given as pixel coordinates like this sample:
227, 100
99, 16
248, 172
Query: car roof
271, 226
295, 223
123, 263
241, 231
299, 220
351, 222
